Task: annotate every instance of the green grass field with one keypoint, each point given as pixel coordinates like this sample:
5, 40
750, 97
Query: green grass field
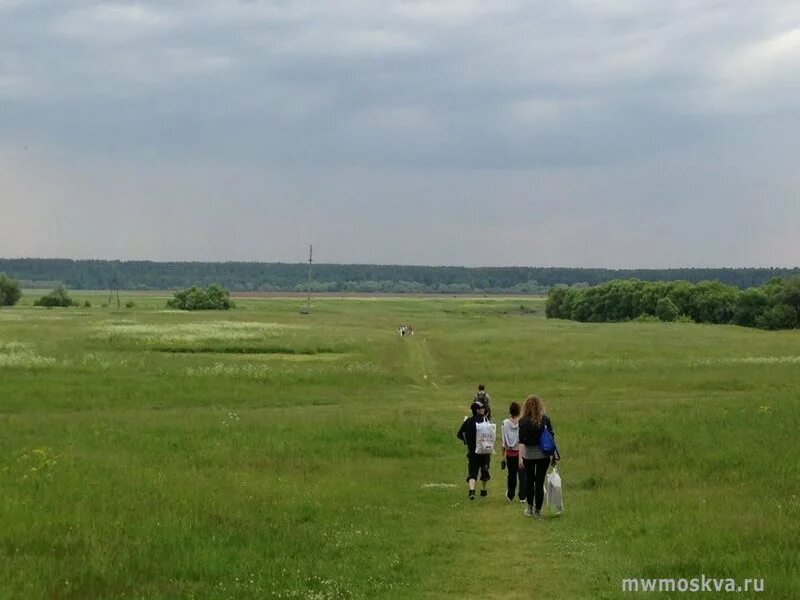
261, 453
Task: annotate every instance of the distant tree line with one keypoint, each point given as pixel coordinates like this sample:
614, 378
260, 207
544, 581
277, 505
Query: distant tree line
251, 276
774, 305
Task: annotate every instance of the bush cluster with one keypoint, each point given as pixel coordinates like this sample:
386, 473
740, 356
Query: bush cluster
9, 291
774, 305
215, 297
58, 297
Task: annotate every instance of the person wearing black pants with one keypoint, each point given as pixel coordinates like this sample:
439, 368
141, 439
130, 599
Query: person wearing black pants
516, 474
511, 454
531, 457
535, 470
476, 463
512, 464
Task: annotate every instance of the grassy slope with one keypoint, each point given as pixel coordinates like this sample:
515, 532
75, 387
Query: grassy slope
129, 472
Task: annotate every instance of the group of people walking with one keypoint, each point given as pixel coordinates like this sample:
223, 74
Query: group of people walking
405, 330
528, 443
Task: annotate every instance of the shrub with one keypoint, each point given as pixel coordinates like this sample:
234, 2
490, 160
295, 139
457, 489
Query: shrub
666, 310
684, 319
58, 297
645, 318
130, 304
780, 316
9, 291
775, 305
215, 297
87, 304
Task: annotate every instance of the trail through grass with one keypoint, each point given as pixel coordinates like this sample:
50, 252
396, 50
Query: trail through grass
420, 361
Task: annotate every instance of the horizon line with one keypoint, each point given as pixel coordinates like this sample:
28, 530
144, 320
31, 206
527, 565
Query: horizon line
443, 266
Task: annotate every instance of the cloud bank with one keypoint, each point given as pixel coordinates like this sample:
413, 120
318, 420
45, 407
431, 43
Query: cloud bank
590, 133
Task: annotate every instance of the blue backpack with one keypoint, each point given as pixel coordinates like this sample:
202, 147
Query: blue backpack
546, 440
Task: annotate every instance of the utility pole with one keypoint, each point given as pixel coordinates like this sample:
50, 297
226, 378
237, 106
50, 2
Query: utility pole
113, 288
308, 299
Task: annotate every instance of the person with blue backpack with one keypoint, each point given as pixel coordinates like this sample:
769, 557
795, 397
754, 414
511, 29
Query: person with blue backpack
537, 450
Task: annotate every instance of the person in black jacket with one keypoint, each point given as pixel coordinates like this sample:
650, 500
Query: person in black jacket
531, 457
475, 462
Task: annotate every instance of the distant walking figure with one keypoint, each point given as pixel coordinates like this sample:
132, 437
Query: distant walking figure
531, 457
483, 397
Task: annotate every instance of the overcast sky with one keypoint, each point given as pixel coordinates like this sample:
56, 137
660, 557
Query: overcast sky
641, 133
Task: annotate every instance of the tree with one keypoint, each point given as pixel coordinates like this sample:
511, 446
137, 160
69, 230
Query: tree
554, 307
57, 297
681, 293
750, 305
772, 288
712, 302
790, 293
580, 308
9, 291
666, 310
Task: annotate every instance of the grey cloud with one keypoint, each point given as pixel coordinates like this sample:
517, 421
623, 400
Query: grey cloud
358, 75
533, 121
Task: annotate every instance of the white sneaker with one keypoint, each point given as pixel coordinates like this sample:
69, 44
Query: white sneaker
537, 515
529, 511
509, 499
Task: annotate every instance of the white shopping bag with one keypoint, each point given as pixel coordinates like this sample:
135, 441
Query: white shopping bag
552, 486
485, 435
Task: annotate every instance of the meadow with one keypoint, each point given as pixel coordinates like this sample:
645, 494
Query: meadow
263, 453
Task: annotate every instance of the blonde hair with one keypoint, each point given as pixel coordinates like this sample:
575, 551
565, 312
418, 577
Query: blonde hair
533, 409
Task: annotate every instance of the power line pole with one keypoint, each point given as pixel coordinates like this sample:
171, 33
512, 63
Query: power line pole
114, 288
310, 260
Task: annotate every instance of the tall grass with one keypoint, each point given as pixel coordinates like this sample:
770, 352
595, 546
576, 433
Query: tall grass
128, 471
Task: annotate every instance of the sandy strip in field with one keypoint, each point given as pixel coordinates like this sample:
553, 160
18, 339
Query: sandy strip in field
314, 295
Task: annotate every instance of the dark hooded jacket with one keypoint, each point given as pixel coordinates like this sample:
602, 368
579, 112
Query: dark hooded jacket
468, 432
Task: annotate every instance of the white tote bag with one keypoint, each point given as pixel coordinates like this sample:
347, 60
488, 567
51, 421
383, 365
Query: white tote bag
552, 486
485, 435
